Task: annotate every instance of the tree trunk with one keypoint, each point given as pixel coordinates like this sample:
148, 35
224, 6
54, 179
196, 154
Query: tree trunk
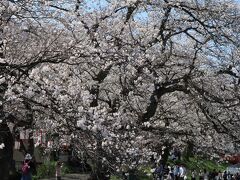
189, 150
6, 154
98, 158
166, 153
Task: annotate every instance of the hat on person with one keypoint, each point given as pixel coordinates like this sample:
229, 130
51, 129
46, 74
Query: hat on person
28, 157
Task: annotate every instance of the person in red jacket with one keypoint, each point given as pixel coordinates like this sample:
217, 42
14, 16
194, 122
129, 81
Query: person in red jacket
26, 168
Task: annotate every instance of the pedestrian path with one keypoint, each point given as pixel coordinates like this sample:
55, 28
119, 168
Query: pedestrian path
72, 177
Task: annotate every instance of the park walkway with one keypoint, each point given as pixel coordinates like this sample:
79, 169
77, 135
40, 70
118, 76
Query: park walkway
72, 177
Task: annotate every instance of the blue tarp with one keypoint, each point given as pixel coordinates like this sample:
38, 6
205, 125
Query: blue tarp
233, 169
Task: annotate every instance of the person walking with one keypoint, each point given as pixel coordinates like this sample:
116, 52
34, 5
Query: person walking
193, 176
225, 175
171, 173
176, 172
182, 172
159, 171
58, 170
26, 168
205, 174
201, 175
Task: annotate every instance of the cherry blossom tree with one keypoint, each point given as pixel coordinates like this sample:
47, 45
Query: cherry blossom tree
125, 79
28, 39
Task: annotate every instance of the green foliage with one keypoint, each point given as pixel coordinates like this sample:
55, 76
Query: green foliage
197, 163
114, 177
144, 173
66, 169
45, 170
48, 169
35, 177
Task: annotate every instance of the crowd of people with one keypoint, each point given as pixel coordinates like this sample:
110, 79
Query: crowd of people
170, 173
179, 172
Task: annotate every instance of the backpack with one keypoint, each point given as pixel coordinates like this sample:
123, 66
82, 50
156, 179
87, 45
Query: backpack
25, 168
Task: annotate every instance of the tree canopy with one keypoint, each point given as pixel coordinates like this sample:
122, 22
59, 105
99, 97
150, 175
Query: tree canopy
123, 78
